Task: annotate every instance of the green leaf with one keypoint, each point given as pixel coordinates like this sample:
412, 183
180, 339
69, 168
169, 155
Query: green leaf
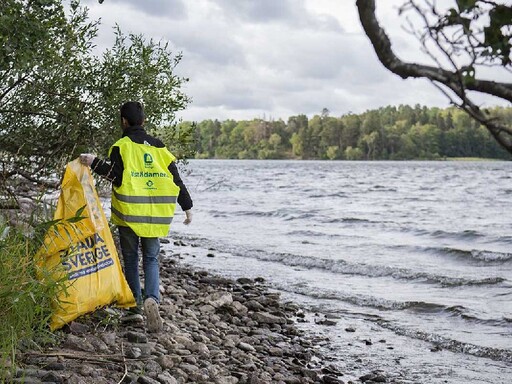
466, 5
80, 210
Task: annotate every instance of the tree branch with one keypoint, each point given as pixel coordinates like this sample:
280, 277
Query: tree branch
387, 57
452, 80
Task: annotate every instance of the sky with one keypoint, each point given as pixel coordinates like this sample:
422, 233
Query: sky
273, 59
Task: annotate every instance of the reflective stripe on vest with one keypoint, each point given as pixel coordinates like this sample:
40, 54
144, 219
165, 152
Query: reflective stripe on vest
142, 219
147, 197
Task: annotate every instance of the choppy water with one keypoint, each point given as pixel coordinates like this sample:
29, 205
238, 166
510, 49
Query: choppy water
416, 255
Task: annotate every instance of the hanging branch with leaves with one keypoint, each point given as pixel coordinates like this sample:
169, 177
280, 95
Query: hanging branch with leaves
461, 42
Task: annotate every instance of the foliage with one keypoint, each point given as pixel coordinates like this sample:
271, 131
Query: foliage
27, 293
58, 99
462, 39
389, 133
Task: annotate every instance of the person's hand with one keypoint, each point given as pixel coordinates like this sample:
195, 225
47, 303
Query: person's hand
86, 159
188, 219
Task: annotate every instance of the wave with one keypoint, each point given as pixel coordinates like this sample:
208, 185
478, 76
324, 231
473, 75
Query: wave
420, 307
381, 188
474, 254
343, 267
328, 195
348, 220
286, 214
461, 311
441, 342
466, 234
307, 233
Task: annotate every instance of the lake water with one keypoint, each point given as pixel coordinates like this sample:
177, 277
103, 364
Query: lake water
416, 257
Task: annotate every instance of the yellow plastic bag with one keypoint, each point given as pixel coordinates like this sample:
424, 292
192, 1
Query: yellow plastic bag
80, 250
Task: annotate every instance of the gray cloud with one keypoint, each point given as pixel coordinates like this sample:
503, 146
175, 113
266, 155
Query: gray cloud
272, 58
290, 12
172, 9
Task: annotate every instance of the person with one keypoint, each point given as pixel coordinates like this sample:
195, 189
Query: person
145, 188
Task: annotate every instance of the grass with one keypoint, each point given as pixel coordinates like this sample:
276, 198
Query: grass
25, 299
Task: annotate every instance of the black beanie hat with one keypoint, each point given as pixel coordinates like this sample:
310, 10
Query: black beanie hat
133, 112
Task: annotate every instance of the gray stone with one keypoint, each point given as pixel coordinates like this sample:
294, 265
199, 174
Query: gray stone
74, 379
136, 337
219, 299
98, 344
267, 318
52, 377
226, 380
78, 343
331, 380
147, 380
86, 370
109, 338
184, 340
246, 347
166, 378
201, 348
207, 308
188, 368
152, 368
55, 366
78, 328
165, 361
373, 377
239, 308
133, 353
253, 305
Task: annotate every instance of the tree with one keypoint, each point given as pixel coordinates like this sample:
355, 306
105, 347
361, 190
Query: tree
301, 138
460, 42
58, 99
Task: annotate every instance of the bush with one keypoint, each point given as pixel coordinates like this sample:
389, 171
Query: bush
25, 299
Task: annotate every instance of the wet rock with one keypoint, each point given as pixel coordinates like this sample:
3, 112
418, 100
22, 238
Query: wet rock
331, 380
373, 377
267, 318
325, 322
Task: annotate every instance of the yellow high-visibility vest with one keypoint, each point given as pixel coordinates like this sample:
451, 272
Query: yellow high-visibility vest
146, 199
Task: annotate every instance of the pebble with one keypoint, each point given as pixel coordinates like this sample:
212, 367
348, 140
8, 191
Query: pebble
216, 330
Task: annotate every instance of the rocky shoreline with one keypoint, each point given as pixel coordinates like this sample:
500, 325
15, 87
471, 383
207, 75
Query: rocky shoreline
216, 330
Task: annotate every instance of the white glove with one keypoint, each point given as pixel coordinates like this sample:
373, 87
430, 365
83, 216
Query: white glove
86, 159
188, 219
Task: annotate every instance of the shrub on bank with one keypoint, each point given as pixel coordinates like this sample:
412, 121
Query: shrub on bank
25, 299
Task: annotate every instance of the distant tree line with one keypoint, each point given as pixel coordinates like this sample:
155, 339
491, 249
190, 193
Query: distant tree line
388, 133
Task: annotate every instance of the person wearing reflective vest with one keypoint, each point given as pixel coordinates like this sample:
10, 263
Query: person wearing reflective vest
146, 199
146, 186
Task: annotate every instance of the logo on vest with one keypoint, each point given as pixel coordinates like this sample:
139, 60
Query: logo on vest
150, 185
148, 160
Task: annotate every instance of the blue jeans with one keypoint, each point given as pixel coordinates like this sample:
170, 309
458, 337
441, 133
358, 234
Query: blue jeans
150, 249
